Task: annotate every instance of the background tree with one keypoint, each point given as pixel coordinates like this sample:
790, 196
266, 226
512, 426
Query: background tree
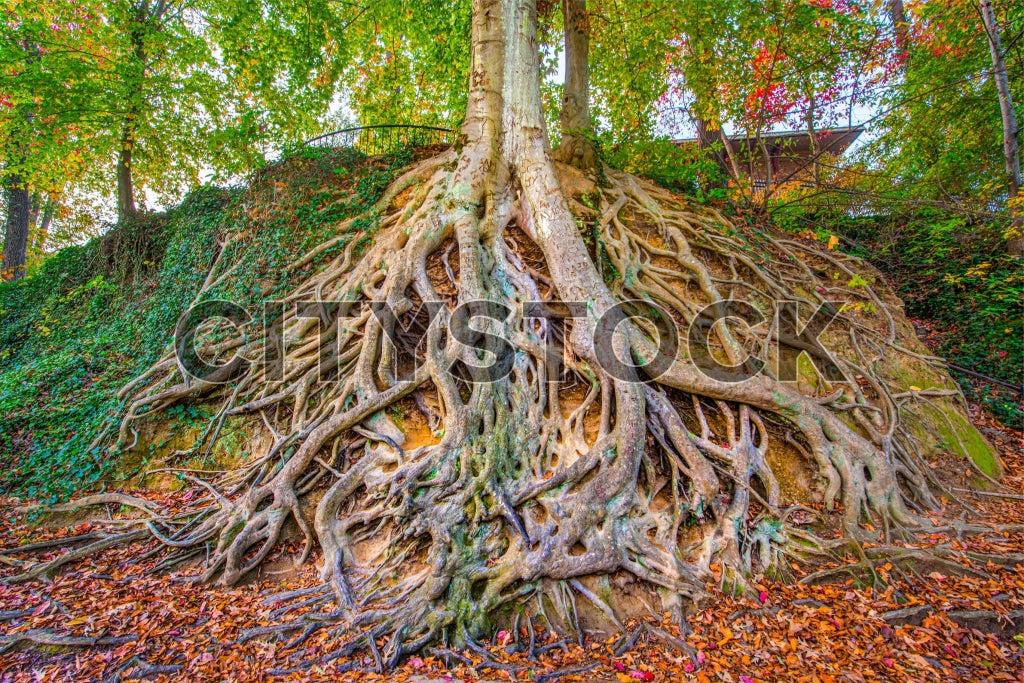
155, 94
940, 129
47, 51
1011, 156
411, 63
15, 184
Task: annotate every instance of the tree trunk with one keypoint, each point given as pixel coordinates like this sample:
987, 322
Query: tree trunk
43, 229
19, 201
575, 147
901, 28
730, 154
39, 229
145, 16
1011, 155
125, 184
16, 229
813, 137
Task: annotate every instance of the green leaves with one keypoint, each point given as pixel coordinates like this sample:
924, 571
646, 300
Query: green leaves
196, 89
97, 315
941, 136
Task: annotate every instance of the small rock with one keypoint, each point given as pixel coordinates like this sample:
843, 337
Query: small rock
908, 616
808, 602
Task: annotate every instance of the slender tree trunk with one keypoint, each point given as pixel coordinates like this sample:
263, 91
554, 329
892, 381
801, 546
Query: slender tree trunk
706, 139
43, 231
19, 201
813, 137
16, 229
1011, 155
125, 184
34, 208
901, 27
39, 231
730, 154
576, 148
129, 126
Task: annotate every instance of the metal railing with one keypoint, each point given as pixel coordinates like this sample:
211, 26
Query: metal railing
372, 140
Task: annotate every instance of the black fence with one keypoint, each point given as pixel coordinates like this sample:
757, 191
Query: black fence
371, 140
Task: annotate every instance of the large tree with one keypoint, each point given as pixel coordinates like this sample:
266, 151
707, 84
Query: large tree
505, 460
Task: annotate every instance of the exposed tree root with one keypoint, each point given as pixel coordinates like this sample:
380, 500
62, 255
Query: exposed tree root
48, 639
528, 489
531, 484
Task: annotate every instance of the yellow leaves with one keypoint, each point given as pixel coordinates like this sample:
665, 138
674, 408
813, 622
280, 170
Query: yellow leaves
833, 242
978, 270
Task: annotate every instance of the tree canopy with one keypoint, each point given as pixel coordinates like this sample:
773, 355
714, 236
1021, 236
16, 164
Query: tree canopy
200, 91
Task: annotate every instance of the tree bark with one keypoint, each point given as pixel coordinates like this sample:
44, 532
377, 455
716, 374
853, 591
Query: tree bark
575, 147
706, 138
125, 183
146, 17
730, 154
19, 201
42, 231
813, 137
16, 229
1011, 155
901, 28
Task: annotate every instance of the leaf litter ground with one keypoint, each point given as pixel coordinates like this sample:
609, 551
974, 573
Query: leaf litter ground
957, 618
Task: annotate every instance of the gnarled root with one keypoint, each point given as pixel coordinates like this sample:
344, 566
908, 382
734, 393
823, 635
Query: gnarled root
534, 480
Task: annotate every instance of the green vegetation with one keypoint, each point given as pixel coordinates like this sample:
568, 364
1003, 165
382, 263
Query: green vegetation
954, 273
97, 315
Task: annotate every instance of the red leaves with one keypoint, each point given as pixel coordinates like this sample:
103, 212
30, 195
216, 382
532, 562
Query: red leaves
769, 100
